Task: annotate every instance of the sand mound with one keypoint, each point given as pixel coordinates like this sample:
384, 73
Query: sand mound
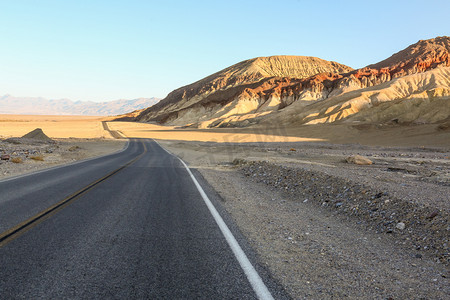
37, 134
32, 137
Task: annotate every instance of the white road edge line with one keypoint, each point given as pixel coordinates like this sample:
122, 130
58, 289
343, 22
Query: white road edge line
253, 277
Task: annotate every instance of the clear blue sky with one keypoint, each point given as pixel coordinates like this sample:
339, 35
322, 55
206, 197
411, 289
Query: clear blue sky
105, 50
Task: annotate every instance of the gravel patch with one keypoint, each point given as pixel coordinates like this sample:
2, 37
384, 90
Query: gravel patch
49, 153
317, 253
421, 228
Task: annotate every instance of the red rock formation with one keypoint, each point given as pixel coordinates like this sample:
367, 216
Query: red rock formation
419, 57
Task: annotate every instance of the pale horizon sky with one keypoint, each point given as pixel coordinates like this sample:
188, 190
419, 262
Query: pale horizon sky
109, 50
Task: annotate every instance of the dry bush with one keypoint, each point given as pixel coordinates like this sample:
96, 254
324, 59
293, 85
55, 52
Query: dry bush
17, 160
74, 148
444, 126
39, 157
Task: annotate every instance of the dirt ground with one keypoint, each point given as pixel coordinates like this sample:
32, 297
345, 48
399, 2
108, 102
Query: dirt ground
59, 152
53, 126
428, 135
75, 138
326, 229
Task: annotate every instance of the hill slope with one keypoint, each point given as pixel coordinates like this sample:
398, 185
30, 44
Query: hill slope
410, 86
246, 72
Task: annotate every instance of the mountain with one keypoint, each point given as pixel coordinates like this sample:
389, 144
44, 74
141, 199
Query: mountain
412, 86
41, 106
225, 82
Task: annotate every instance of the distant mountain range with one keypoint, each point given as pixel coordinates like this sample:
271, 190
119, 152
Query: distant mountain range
41, 106
410, 87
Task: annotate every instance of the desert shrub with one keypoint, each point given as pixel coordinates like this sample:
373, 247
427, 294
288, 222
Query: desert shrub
444, 126
17, 160
14, 141
74, 148
39, 157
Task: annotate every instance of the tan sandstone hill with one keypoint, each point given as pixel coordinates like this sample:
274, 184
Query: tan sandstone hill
241, 74
412, 86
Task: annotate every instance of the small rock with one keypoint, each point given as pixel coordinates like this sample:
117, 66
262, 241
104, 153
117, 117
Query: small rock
5, 157
74, 148
358, 160
433, 214
238, 161
400, 226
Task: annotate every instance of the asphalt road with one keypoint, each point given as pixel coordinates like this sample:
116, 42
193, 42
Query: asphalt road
125, 226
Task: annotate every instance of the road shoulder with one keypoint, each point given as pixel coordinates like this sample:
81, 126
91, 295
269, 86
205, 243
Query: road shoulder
59, 153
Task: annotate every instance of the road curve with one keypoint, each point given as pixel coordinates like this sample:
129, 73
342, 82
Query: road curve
133, 226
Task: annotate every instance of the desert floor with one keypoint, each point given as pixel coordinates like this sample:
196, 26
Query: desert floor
362, 134
53, 126
288, 190
74, 138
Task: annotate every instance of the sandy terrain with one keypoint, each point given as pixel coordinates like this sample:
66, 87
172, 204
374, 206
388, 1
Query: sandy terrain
76, 138
375, 135
144, 130
53, 126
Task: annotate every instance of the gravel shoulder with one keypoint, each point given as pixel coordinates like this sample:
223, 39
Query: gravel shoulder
38, 155
328, 229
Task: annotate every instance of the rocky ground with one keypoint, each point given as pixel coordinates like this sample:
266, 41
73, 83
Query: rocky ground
21, 156
328, 229
424, 229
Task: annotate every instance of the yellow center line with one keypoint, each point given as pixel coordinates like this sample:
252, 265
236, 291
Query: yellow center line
16, 231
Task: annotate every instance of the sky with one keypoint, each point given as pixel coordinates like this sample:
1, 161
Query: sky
106, 50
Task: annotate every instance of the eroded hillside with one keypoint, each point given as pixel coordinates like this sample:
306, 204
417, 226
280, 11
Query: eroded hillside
410, 86
237, 76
